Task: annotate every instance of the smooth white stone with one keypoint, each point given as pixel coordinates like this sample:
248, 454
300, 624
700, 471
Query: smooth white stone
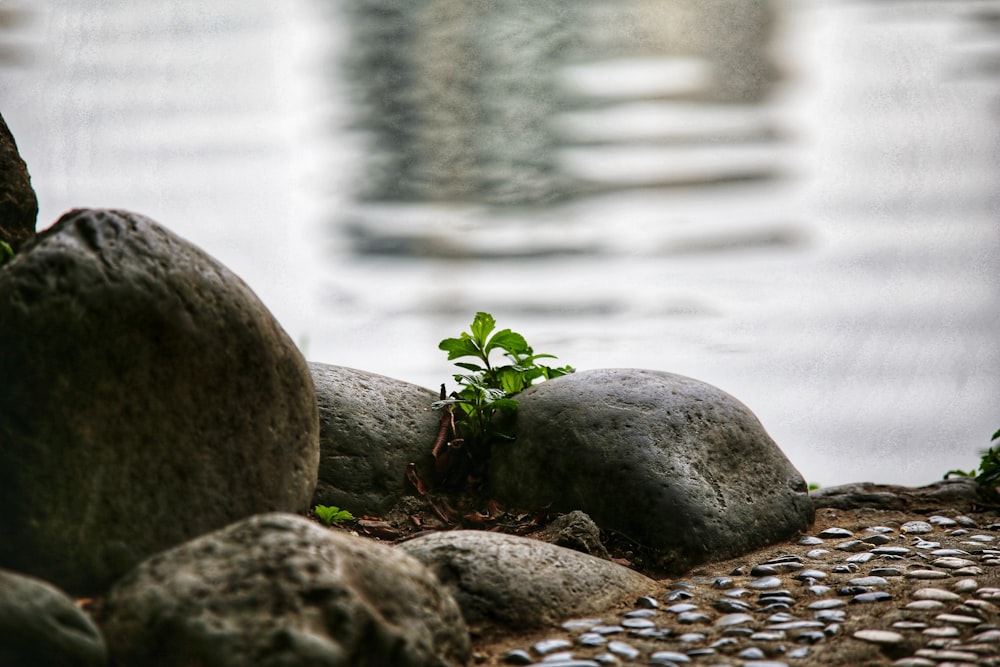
926, 574
925, 605
939, 594
958, 618
879, 636
945, 632
952, 563
966, 585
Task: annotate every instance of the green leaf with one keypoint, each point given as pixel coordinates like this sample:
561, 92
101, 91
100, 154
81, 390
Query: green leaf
995, 435
331, 514
959, 473
505, 404
513, 343
469, 366
481, 327
460, 347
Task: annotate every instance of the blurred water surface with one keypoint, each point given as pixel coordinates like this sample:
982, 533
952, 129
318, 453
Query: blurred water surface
796, 202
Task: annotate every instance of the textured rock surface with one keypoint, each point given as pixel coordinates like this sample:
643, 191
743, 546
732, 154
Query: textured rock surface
277, 589
18, 204
575, 531
371, 427
962, 491
523, 583
148, 397
40, 625
673, 463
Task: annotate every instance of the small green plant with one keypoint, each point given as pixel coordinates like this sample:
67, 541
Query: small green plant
6, 252
329, 514
484, 401
813, 486
989, 466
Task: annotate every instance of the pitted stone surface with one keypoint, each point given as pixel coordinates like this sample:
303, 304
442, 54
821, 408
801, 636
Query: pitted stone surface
609, 442
278, 590
520, 582
148, 397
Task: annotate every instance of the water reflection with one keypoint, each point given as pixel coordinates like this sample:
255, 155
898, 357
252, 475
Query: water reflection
516, 102
795, 201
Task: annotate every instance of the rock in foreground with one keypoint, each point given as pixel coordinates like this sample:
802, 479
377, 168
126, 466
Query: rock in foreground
523, 583
279, 590
147, 397
40, 625
675, 464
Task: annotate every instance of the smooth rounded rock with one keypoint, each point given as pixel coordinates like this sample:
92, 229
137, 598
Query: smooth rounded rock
710, 481
148, 397
277, 590
370, 428
40, 625
520, 582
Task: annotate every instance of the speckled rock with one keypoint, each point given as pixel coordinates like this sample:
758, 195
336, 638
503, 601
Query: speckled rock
18, 204
148, 397
520, 582
370, 428
40, 625
956, 492
279, 590
675, 464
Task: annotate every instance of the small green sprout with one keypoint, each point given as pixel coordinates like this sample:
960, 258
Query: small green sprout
989, 466
6, 252
330, 514
487, 389
478, 414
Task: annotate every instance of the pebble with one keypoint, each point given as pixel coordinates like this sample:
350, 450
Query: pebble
666, 657
936, 606
875, 596
925, 605
879, 636
623, 650
952, 563
927, 574
765, 582
835, 533
550, 645
939, 594
916, 527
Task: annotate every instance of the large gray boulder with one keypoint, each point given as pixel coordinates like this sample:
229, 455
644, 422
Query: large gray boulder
277, 590
675, 464
146, 397
41, 625
523, 583
370, 428
18, 203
